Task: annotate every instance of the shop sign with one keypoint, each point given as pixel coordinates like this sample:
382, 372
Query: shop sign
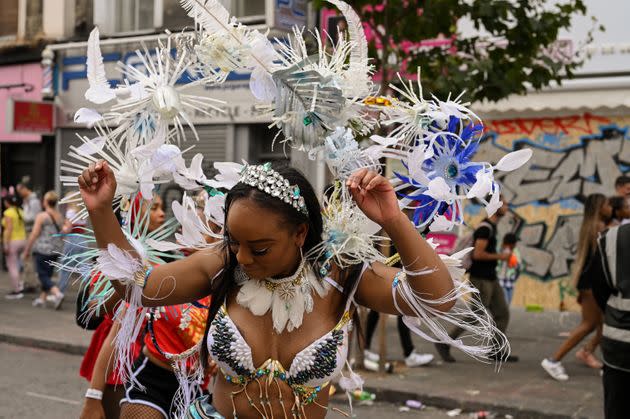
25, 116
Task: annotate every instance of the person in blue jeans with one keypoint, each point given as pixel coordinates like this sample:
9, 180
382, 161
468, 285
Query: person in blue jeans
73, 230
46, 244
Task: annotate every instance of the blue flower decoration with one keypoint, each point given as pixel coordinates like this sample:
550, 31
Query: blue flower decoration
453, 149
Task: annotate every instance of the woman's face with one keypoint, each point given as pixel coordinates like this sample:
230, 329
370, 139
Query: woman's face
264, 246
606, 209
156, 215
624, 212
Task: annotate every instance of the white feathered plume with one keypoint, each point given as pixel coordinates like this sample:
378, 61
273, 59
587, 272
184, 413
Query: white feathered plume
100, 91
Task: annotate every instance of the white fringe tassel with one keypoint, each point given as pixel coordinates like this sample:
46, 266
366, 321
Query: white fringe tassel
190, 378
469, 315
131, 317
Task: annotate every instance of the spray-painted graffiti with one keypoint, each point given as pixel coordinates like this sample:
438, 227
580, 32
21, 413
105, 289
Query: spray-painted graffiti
573, 158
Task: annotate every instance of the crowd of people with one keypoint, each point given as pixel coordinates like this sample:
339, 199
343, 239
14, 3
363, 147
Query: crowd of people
35, 234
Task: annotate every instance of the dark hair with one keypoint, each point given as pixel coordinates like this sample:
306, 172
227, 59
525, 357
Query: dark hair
12, 200
617, 203
222, 285
510, 238
26, 182
589, 230
622, 180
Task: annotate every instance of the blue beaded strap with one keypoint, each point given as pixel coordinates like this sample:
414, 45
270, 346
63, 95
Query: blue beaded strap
400, 276
146, 276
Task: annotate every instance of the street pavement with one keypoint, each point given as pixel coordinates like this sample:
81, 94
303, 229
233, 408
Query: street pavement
38, 383
521, 390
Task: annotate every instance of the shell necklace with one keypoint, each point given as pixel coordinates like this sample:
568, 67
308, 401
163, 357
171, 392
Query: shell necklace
288, 298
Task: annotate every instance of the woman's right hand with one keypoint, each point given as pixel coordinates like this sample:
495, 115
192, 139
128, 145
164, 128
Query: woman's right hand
92, 409
97, 184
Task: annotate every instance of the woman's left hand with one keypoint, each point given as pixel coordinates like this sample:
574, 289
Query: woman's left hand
374, 195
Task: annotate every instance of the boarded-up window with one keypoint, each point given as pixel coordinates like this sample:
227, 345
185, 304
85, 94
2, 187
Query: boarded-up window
9, 18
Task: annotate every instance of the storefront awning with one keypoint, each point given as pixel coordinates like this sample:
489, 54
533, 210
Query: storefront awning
575, 97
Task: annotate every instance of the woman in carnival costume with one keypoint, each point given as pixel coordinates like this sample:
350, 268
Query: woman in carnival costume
286, 276
171, 330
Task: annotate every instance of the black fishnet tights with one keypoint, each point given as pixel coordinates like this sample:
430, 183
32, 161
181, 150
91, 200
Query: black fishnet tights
139, 411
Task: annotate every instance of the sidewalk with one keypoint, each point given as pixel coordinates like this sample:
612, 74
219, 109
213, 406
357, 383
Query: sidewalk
522, 390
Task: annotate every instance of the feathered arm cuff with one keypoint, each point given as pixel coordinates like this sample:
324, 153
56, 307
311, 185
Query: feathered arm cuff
120, 265
483, 339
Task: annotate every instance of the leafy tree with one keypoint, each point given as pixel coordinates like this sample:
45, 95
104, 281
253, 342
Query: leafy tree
516, 45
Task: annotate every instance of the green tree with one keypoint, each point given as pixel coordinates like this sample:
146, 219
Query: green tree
516, 46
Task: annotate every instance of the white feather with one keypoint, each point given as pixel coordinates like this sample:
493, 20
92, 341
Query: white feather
359, 53
191, 178
228, 176
210, 14
514, 160
100, 91
92, 146
87, 116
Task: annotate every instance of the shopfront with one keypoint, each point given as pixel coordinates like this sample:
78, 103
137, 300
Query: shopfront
27, 143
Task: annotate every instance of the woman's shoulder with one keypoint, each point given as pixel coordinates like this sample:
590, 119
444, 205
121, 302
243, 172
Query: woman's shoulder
344, 276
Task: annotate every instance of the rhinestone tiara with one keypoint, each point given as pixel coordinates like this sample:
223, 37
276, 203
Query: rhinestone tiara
271, 182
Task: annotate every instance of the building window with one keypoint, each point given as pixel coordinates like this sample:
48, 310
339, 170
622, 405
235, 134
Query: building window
266, 147
248, 9
134, 15
125, 16
9, 19
175, 17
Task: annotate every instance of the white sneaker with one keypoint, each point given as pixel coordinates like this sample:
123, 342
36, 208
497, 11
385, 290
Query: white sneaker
417, 360
38, 302
51, 298
370, 365
58, 300
372, 356
554, 369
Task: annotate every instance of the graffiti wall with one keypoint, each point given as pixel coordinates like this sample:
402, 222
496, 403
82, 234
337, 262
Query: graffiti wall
573, 157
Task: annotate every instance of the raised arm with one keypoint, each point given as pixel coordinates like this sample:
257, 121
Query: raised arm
426, 272
170, 284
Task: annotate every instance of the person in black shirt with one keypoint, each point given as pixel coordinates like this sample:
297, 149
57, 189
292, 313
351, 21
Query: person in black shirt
483, 276
611, 290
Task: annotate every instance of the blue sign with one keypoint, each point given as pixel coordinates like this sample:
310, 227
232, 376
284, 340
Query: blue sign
131, 59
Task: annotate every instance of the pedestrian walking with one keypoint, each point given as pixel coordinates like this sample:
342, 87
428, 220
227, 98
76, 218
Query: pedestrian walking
611, 290
73, 230
30, 204
597, 212
13, 243
46, 245
509, 270
483, 275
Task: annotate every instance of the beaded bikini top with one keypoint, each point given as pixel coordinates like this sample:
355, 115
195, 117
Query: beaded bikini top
311, 369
